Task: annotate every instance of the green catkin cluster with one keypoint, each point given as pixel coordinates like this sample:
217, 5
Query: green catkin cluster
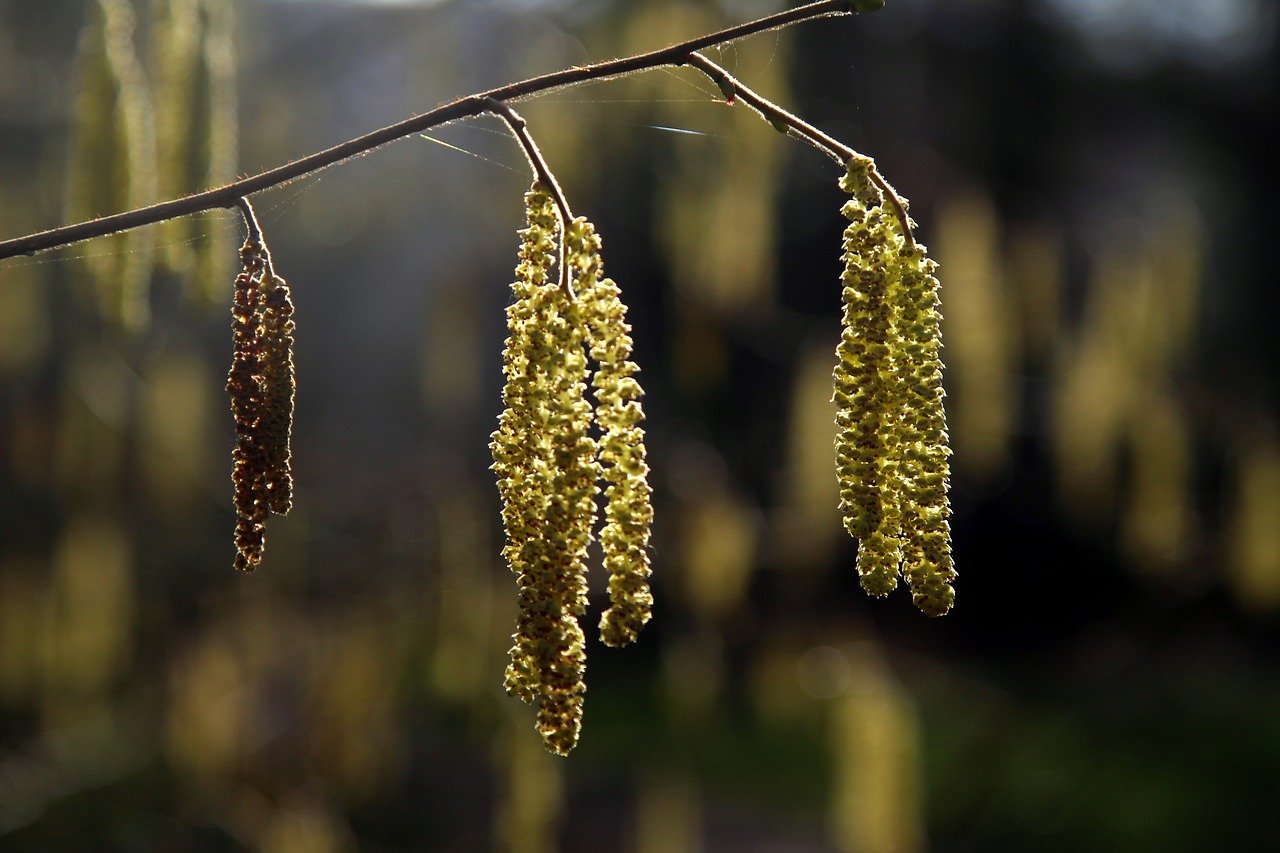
548, 466
628, 508
261, 387
891, 448
545, 460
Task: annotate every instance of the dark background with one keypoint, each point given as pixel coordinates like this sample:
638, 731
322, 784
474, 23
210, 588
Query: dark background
1098, 181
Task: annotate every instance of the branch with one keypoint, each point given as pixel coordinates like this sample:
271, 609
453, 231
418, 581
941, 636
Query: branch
473, 105
785, 121
543, 172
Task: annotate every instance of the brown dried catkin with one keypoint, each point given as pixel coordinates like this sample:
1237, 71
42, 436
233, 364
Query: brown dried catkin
261, 387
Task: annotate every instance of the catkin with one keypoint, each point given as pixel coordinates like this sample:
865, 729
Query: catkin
244, 387
891, 447
113, 160
545, 460
927, 561
219, 133
864, 395
193, 62
276, 329
261, 386
628, 509
175, 69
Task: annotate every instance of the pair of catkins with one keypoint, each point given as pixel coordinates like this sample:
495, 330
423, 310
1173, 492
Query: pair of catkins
551, 451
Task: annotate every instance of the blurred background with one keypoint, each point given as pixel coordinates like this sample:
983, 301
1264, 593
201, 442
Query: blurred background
1097, 179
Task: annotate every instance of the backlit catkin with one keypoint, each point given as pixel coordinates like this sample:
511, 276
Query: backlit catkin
249, 469
545, 460
276, 329
927, 563
113, 160
891, 446
628, 507
261, 387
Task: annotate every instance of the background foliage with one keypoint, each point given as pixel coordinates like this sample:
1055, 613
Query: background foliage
1096, 180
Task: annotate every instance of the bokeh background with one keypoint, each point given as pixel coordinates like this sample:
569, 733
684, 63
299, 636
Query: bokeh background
1098, 180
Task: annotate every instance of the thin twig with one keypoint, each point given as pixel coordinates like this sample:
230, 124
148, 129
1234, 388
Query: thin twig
771, 112
473, 105
520, 128
255, 234
735, 89
250, 220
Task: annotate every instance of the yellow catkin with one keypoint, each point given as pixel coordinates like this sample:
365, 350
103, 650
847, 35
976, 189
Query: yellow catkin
545, 460
892, 451
629, 508
520, 469
261, 387
927, 563
866, 410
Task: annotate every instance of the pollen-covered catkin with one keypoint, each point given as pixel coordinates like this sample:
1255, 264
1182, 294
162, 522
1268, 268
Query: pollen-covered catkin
927, 562
545, 459
891, 450
866, 409
628, 508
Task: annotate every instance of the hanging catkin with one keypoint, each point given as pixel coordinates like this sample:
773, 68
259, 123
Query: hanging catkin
628, 508
926, 527
866, 410
113, 160
278, 386
261, 387
218, 135
891, 449
176, 54
249, 470
545, 460
193, 61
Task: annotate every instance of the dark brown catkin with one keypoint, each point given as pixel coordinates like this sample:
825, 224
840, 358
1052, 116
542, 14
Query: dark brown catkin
249, 474
275, 330
261, 387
